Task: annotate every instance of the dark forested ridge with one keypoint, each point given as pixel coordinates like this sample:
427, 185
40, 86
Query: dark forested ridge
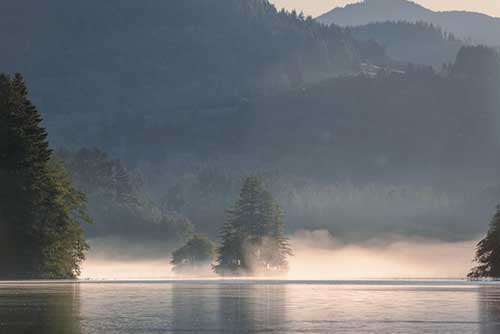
476, 27
96, 66
417, 43
417, 119
328, 148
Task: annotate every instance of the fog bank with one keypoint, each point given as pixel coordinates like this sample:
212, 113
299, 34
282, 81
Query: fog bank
317, 256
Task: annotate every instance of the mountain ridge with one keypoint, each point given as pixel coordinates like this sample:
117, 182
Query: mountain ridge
92, 63
477, 27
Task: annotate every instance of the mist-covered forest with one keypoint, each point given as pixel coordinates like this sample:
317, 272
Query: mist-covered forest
336, 162
160, 109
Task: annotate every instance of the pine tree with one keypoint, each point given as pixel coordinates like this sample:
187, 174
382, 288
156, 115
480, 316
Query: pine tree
40, 210
253, 238
488, 252
276, 246
231, 257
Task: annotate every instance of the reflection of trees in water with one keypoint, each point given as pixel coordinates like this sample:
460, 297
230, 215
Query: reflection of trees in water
489, 309
249, 308
194, 307
40, 309
228, 308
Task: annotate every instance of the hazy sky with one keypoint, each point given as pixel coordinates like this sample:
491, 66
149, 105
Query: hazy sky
317, 7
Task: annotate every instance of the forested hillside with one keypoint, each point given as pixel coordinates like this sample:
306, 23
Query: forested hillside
417, 43
398, 120
96, 66
193, 96
396, 143
118, 202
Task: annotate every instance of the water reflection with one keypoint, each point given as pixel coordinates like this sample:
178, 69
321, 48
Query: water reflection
40, 309
252, 308
220, 307
194, 307
489, 310
231, 308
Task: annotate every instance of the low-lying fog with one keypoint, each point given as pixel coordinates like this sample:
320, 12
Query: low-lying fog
317, 255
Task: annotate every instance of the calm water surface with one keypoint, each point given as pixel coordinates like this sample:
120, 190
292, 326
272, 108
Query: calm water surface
249, 307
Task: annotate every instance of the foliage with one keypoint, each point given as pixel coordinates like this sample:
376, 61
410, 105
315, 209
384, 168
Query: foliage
199, 250
478, 63
488, 252
253, 240
118, 201
41, 211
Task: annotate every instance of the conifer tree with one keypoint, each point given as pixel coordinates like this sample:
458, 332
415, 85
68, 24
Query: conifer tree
488, 252
253, 238
40, 210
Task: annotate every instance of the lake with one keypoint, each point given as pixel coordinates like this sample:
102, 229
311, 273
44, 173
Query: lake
249, 307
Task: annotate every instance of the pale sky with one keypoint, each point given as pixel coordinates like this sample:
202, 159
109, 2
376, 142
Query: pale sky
317, 7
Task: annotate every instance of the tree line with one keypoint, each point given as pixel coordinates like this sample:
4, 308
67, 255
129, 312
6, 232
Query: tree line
42, 211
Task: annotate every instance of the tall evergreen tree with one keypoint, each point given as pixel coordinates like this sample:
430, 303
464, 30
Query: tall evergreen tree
253, 240
488, 252
40, 209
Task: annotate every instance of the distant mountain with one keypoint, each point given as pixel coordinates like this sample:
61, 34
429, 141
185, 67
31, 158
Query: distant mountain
91, 64
418, 43
479, 28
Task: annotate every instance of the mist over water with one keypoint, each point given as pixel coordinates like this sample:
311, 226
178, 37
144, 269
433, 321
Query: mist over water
320, 256
317, 256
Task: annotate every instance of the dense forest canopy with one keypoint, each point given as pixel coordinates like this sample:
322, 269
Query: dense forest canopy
118, 202
356, 126
122, 63
412, 42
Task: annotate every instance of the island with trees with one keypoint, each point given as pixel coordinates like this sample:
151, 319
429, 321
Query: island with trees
252, 238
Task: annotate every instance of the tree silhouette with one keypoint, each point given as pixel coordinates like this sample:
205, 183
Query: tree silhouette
488, 252
253, 240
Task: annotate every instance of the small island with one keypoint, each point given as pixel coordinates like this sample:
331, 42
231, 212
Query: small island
253, 241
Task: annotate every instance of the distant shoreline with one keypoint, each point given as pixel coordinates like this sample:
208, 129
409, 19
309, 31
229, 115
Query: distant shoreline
264, 281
